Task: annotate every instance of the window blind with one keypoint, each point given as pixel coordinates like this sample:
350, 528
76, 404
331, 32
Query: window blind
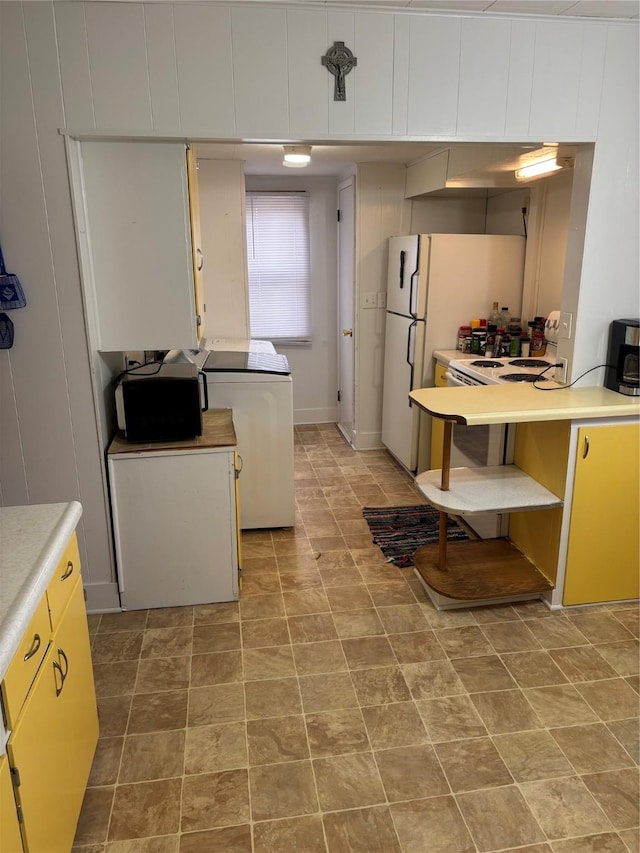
278, 264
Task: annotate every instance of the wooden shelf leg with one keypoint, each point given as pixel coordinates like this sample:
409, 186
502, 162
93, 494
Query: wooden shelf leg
444, 485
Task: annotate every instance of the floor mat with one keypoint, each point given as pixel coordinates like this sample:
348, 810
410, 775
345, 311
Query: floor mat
400, 530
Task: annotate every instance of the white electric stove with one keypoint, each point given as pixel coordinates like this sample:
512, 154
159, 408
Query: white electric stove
495, 371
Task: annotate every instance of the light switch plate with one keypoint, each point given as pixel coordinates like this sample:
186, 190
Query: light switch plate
369, 300
566, 322
382, 299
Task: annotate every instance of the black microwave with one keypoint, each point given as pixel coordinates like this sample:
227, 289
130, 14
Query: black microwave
161, 402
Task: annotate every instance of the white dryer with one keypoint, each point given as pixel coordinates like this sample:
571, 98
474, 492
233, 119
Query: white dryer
257, 385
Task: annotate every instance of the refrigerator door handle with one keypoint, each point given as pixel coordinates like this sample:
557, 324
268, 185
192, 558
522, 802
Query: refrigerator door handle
410, 355
403, 256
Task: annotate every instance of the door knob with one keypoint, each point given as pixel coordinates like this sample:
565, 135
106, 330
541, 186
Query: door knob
347, 333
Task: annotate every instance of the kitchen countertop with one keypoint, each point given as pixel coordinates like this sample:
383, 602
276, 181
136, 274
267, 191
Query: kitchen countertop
499, 404
444, 356
217, 431
32, 542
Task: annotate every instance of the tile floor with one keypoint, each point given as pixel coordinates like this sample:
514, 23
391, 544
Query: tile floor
334, 709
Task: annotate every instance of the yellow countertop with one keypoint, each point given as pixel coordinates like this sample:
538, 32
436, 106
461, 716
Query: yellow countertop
492, 404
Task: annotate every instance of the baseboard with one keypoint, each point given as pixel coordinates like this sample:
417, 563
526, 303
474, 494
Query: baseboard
368, 441
315, 416
102, 598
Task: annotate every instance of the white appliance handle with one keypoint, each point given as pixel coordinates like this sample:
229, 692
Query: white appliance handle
454, 381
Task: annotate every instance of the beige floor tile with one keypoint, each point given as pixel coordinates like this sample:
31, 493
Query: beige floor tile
472, 764
358, 623
370, 830
261, 583
416, 647
124, 645
296, 581
167, 642
532, 755
432, 679
365, 652
394, 725
411, 773
115, 679
402, 618
631, 838
560, 705
271, 662
605, 842
209, 614
343, 577
505, 711
612, 699
380, 685
265, 632
628, 734
318, 658
129, 620
533, 669
623, 657
215, 799
160, 674
272, 698
343, 598
510, 637
277, 739
262, 606
511, 822
312, 629
296, 833
217, 703
592, 748
618, 794
583, 664
305, 601
391, 594
160, 844
106, 762
494, 613
433, 824
113, 714
348, 782
156, 755
451, 718
94, 817
227, 839
483, 673
209, 749
327, 692
630, 619
564, 807
257, 565
216, 668
600, 627
556, 633
463, 642
216, 638
282, 790
145, 809
336, 732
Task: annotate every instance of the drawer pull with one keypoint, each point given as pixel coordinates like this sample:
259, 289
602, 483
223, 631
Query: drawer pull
33, 648
58, 669
68, 572
585, 451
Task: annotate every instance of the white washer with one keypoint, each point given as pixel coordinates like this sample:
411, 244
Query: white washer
259, 389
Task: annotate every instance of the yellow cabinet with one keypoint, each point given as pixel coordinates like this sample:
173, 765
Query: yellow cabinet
10, 841
25, 664
52, 745
602, 554
437, 424
62, 582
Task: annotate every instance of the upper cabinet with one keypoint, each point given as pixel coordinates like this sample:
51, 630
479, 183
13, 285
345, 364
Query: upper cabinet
135, 230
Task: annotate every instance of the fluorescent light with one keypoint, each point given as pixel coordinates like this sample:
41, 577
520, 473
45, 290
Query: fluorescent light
296, 156
540, 167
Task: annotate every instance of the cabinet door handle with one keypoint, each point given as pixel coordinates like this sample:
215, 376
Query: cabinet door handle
200, 262
62, 655
585, 450
58, 669
33, 648
68, 572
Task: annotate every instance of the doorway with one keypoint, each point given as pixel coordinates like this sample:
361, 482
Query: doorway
346, 315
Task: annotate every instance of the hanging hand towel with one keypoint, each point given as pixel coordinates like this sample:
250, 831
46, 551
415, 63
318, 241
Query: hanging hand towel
11, 292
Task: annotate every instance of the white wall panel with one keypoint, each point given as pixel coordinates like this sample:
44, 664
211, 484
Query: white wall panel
433, 75
205, 74
591, 73
523, 39
306, 43
161, 58
118, 59
400, 74
74, 65
13, 476
373, 75
556, 80
86, 461
484, 76
341, 27
260, 75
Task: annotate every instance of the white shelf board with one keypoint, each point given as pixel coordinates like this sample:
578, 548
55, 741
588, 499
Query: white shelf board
499, 488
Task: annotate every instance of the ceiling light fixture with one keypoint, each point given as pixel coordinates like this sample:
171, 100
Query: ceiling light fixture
296, 156
540, 167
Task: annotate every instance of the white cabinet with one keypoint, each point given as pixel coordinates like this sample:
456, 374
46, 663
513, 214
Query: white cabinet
133, 219
175, 523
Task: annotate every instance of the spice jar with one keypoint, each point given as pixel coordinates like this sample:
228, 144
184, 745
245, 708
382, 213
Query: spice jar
525, 344
538, 344
478, 342
463, 332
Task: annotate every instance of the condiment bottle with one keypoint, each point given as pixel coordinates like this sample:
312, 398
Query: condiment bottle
514, 346
478, 341
463, 332
494, 316
525, 344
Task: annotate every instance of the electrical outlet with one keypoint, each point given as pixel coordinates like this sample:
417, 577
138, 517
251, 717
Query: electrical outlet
133, 358
561, 372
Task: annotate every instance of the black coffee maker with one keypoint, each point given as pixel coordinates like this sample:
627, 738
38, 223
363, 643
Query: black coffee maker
622, 358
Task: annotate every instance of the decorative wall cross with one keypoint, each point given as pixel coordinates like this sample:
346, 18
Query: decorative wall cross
339, 61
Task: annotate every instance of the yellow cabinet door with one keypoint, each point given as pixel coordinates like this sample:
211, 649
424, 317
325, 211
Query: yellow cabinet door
53, 744
603, 550
437, 424
10, 841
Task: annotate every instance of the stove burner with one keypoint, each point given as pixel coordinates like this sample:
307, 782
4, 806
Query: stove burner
523, 377
485, 363
529, 362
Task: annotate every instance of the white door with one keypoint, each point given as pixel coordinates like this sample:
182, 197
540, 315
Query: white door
403, 356
346, 330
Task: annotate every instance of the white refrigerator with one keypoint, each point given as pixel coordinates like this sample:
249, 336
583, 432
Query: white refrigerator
436, 283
